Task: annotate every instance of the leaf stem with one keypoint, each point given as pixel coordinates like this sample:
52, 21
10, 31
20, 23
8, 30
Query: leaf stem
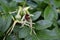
10, 30
12, 27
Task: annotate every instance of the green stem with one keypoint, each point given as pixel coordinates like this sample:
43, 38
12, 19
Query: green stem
24, 3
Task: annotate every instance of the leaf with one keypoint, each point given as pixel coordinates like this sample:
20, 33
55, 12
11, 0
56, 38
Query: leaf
4, 6
12, 37
24, 32
42, 34
58, 22
36, 15
32, 4
48, 34
38, 1
5, 22
16, 29
32, 37
13, 5
0, 9
45, 1
57, 3
59, 32
1, 34
50, 14
43, 24
19, 0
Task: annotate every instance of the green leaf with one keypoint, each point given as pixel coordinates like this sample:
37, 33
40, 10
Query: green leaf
43, 24
12, 37
36, 15
1, 34
57, 3
0, 9
24, 32
5, 22
13, 5
59, 32
42, 34
58, 22
38, 1
19, 0
48, 34
16, 29
45, 1
4, 6
32, 4
50, 14
32, 37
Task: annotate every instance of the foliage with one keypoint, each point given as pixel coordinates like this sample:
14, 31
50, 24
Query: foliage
29, 19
